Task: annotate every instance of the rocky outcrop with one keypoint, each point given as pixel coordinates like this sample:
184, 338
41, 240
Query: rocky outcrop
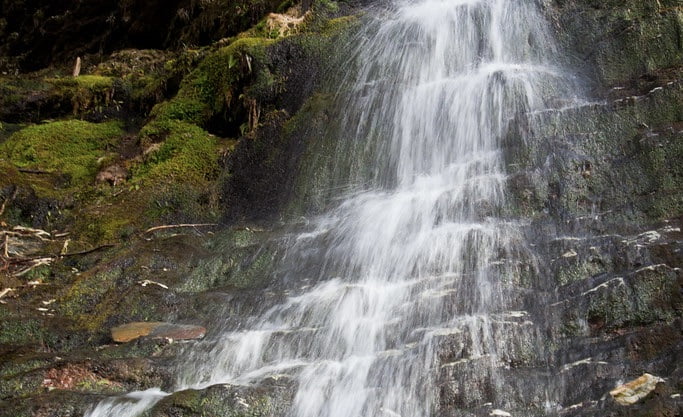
599, 187
35, 34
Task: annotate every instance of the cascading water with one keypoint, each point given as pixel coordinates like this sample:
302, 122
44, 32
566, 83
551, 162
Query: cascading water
423, 249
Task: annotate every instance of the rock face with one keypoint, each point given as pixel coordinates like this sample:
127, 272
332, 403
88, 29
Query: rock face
598, 187
132, 331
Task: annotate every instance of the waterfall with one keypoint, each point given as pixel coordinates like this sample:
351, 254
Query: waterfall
423, 248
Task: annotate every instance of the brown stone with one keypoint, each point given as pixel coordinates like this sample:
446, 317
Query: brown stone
634, 391
131, 331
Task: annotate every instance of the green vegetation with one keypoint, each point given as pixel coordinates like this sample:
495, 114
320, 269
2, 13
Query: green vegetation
72, 148
187, 154
215, 86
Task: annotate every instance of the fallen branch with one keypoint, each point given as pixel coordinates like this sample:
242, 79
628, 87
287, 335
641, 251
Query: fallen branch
148, 282
35, 264
34, 171
85, 252
39, 233
173, 226
65, 248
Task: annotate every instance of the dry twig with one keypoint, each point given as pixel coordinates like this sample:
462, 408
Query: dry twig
33, 264
173, 226
39, 233
85, 252
34, 171
147, 282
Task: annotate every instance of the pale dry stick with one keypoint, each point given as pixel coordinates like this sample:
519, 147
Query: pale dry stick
6, 291
65, 248
36, 264
39, 233
173, 226
147, 282
77, 67
85, 252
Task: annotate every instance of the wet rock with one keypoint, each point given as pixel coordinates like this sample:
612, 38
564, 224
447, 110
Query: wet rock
132, 331
269, 399
620, 43
634, 391
55, 403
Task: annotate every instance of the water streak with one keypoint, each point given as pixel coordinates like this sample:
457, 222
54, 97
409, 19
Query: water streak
423, 252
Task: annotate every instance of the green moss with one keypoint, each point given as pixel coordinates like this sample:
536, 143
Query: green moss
72, 148
188, 154
329, 6
624, 40
10, 174
20, 330
86, 92
90, 82
182, 108
107, 228
339, 25
21, 385
212, 87
180, 173
14, 89
15, 364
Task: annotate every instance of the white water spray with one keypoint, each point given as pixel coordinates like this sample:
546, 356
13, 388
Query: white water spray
423, 250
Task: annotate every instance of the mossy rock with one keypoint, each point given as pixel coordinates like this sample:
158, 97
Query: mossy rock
56, 403
112, 293
610, 166
42, 95
24, 329
268, 400
621, 41
647, 296
179, 171
73, 148
216, 85
187, 154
